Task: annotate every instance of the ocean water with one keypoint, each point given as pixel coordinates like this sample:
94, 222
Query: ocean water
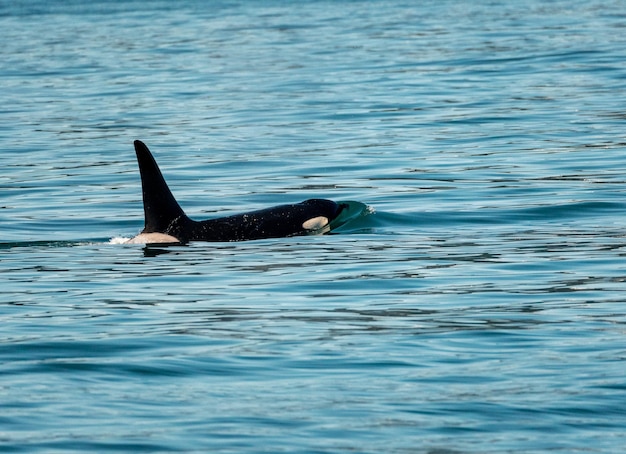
479, 306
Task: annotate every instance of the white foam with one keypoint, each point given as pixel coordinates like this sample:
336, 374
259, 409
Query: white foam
118, 240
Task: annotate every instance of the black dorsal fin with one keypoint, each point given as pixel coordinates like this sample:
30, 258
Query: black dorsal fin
159, 205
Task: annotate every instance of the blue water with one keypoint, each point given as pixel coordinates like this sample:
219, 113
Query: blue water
479, 307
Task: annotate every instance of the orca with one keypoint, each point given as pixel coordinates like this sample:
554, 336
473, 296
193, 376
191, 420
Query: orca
167, 223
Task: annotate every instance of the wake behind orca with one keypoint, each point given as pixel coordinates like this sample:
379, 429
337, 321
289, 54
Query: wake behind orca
166, 222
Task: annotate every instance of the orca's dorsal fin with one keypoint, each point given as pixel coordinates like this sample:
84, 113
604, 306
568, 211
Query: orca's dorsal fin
159, 205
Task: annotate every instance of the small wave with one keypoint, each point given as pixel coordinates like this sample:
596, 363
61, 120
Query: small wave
44, 244
351, 211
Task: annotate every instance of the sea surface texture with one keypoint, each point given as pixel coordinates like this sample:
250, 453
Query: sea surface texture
477, 306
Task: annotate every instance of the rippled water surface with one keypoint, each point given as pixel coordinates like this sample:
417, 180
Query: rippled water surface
479, 306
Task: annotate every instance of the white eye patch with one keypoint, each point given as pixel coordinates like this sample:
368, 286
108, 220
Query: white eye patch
315, 223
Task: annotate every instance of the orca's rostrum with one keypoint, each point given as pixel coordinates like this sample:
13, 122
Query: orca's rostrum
166, 222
